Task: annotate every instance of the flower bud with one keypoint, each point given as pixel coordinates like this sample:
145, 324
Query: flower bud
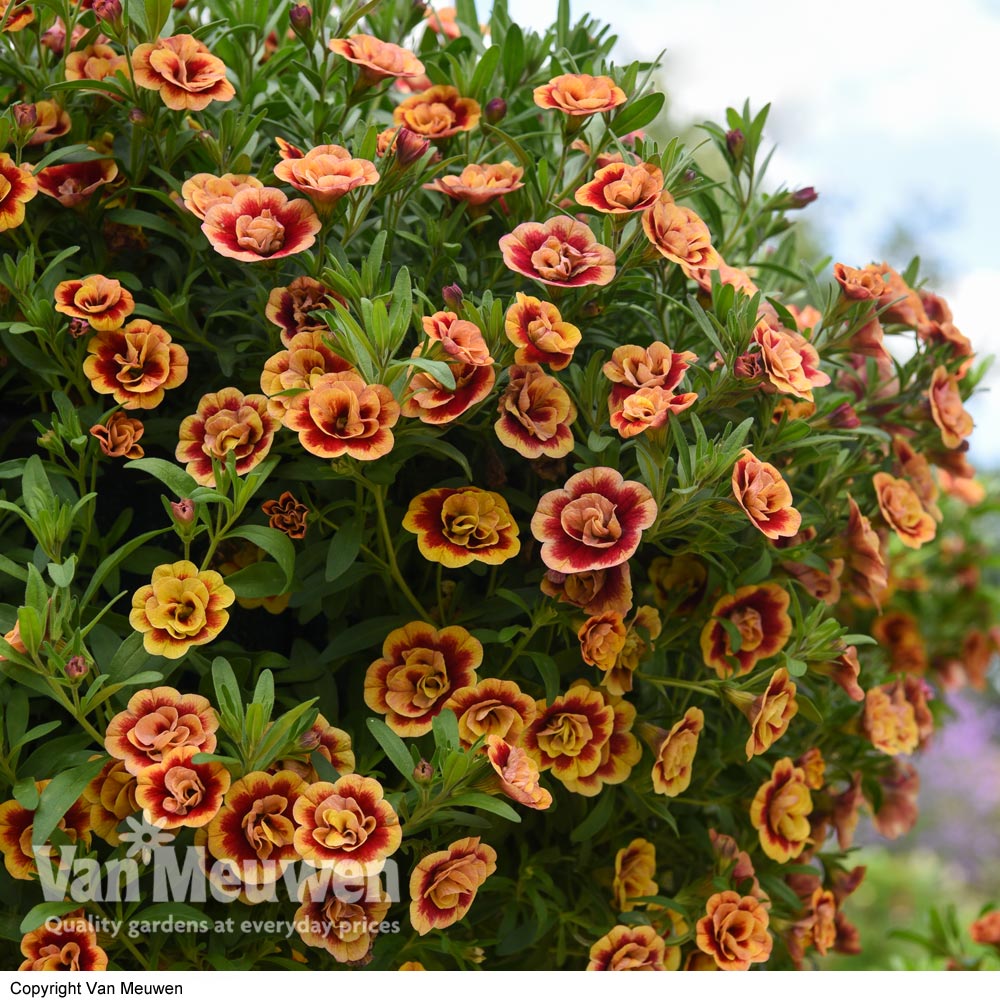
108, 10
300, 18
749, 366
496, 110
690, 175
803, 197
76, 667
78, 328
25, 116
452, 296
735, 143
844, 416
423, 773
183, 510
410, 147
309, 740
138, 117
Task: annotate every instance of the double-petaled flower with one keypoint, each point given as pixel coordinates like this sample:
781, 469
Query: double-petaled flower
629, 948
111, 798
479, 183
675, 751
181, 68
346, 825
457, 526
135, 364
182, 607
539, 333
287, 515
780, 812
790, 361
17, 834
430, 401
102, 302
378, 60
620, 188
635, 874
437, 113
595, 522
119, 436
762, 492
579, 94
420, 669
326, 174
734, 931
952, 419
493, 707
594, 591
203, 191
516, 773
71, 184
461, 339
770, 713
890, 720
563, 252
679, 234
535, 414
617, 756
444, 884
342, 415
342, 915
903, 511
759, 614
178, 792
260, 223
227, 423
63, 944
305, 360
294, 308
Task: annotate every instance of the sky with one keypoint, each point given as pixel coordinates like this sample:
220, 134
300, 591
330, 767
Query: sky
889, 111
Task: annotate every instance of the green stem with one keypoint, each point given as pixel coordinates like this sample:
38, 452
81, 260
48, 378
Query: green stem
390, 552
676, 683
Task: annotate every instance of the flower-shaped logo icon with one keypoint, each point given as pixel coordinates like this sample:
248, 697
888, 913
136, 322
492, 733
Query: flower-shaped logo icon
144, 838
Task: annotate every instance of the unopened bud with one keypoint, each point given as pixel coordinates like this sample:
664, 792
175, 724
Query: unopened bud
592, 309
496, 110
844, 416
25, 115
423, 773
301, 18
108, 10
749, 366
690, 175
803, 197
309, 740
735, 143
138, 117
76, 667
410, 147
78, 328
452, 296
183, 510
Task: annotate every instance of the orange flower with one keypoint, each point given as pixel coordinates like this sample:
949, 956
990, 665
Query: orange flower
859, 285
538, 332
595, 522
461, 339
432, 403
898, 633
734, 864
680, 235
890, 721
378, 60
953, 420
679, 582
178, 792
771, 713
655, 367
457, 526
734, 931
346, 824
63, 944
594, 591
95, 62
869, 576
602, 638
135, 364
479, 183
518, 774
19, 15
618, 755
492, 707
253, 831
200, 192
51, 122
780, 812
292, 309
646, 409
119, 436
901, 304
569, 734
326, 174
630, 948
579, 94
17, 827
765, 497
227, 423
341, 916
437, 113
903, 511
790, 361
620, 188
305, 361
535, 414
562, 252
329, 742
635, 874
187, 76
898, 811
287, 515
102, 302
675, 751
156, 721
760, 614
844, 671
642, 630
341, 415
181, 608
986, 930
917, 470
260, 224
111, 798
444, 884
420, 668
817, 928
73, 183
443, 20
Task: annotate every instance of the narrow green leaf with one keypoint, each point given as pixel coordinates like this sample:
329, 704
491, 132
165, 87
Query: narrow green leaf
393, 747
60, 793
343, 549
275, 543
487, 803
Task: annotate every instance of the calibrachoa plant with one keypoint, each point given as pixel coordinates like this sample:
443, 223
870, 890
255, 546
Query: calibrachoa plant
448, 522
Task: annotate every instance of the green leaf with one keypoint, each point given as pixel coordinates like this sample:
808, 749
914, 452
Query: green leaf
393, 747
35, 487
26, 793
115, 558
797, 668
41, 912
275, 543
436, 369
263, 693
548, 670
257, 580
808, 709
178, 911
343, 549
57, 797
227, 694
596, 819
513, 55
445, 728
487, 803
130, 658
172, 476
62, 573
638, 114
857, 639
